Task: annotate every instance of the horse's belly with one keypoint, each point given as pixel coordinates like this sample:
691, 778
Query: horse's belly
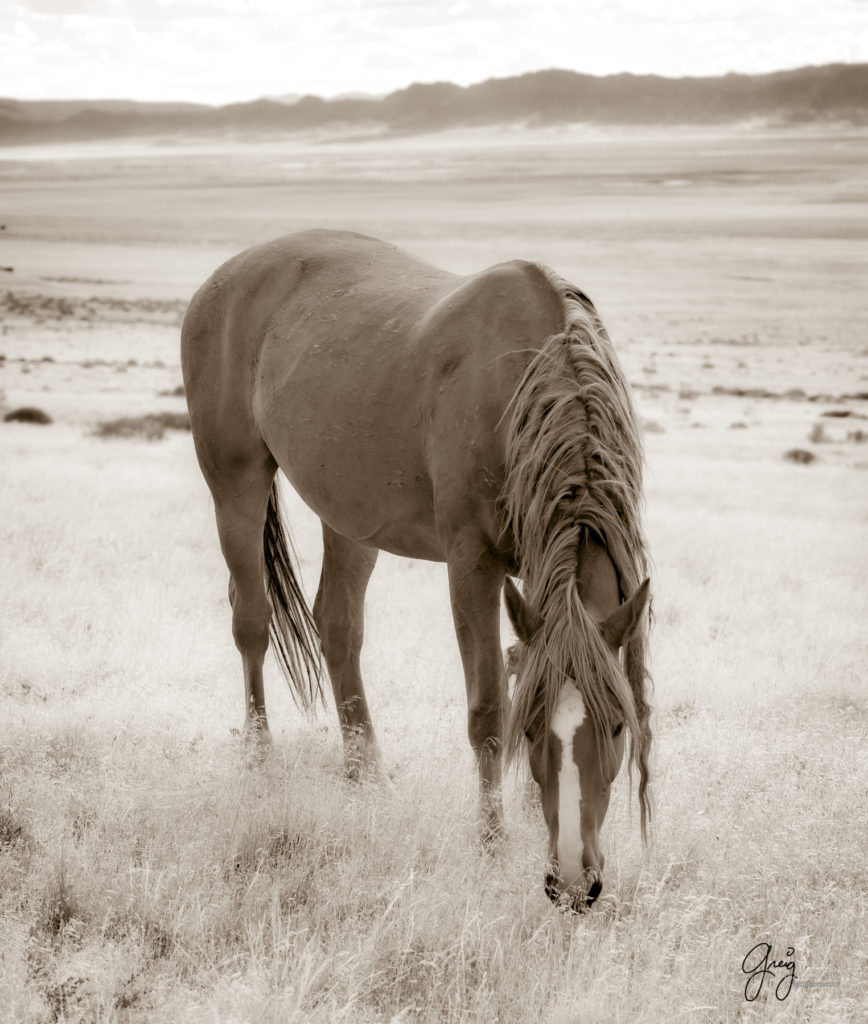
357, 462
391, 515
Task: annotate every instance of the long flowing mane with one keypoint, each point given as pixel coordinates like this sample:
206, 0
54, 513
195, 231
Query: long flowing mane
573, 468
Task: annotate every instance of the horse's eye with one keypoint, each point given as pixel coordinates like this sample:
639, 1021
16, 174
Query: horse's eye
617, 729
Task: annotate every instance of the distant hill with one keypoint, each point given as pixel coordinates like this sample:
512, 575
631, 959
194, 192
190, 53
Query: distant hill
832, 93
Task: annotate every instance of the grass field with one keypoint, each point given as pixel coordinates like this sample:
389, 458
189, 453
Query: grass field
150, 872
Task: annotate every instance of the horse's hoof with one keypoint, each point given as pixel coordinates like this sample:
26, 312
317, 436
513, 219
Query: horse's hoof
257, 736
257, 743
360, 770
362, 760
493, 836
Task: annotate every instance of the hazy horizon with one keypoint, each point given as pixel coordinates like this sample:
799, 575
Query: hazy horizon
290, 96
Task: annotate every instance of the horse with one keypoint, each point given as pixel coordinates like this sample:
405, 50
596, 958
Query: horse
482, 421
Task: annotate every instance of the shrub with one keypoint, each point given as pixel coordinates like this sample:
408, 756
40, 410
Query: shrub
800, 455
818, 434
58, 904
11, 829
27, 414
151, 426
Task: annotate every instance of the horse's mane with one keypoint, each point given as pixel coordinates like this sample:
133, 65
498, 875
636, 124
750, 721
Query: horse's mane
573, 469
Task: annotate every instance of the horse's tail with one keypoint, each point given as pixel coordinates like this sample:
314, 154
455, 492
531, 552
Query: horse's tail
294, 635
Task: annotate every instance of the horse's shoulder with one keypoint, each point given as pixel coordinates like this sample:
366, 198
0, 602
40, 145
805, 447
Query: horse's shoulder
520, 274
514, 289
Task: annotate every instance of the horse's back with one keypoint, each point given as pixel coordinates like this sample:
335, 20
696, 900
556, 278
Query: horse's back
326, 262
376, 380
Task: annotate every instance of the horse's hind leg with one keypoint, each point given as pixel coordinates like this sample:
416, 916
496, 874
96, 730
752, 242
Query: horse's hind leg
240, 503
339, 613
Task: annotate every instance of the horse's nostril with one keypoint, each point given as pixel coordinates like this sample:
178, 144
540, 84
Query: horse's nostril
594, 891
552, 890
577, 904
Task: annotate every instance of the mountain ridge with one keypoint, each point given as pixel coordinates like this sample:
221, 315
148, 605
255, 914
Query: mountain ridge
831, 92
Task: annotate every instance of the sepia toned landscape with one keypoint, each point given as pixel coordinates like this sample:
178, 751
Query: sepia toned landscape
151, 871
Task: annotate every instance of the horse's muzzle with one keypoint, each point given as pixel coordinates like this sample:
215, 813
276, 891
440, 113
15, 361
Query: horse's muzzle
575, 902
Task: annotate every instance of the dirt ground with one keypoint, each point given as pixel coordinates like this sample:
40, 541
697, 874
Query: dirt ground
729, 262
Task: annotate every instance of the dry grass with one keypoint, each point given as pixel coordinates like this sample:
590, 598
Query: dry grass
151, 871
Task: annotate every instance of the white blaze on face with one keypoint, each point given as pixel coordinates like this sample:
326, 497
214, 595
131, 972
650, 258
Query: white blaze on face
568, 716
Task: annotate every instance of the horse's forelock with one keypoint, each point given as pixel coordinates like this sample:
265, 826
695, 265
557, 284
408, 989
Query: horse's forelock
569, 649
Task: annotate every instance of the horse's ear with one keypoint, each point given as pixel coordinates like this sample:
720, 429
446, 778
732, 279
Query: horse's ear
622, 624
525, 620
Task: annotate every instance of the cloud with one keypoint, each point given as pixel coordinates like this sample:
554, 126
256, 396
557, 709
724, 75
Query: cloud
96, 8
225, 50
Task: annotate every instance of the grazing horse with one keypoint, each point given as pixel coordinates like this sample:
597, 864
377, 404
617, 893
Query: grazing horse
483, 421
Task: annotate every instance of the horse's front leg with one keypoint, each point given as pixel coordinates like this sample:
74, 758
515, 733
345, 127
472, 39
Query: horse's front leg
475, 582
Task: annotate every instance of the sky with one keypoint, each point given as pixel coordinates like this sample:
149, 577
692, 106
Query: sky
221, 51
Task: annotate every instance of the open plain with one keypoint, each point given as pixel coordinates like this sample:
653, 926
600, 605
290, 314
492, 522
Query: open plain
149, 872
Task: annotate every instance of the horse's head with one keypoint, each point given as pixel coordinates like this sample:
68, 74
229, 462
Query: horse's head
574, 704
